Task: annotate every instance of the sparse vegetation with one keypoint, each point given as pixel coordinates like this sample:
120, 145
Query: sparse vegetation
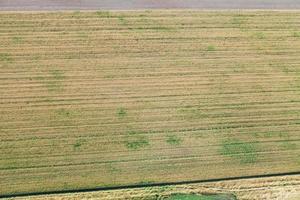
121, 112
245, 152
5, 57
137, 143
122, 20
163, 28
211, 48
238, 20
76, 14
77, 145
190, 112
63, 113
296, 34
57, 74
133, 132
287, 145
173, 140
260, 35
103, 14
17, 39
55, 81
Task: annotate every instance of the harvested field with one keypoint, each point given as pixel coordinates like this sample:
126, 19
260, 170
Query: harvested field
101, 99
274, 188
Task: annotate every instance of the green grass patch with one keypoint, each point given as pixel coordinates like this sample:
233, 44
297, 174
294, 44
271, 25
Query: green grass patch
103, 14
296, 34
238, 20
36, 57
54, 84
78, 144
17, 39
200, 197
211, 48
269, 134
287, 145
53, 87
57, 74
259, 35
64, 113
135, 132
5, 57
245, 152
161, 189
173, 140
122, 20
137, 143
121, 112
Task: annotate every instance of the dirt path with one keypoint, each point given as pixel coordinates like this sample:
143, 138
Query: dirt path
145, 4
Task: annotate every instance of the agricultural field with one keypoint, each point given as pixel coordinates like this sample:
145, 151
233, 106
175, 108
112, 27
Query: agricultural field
105, 99
272, 188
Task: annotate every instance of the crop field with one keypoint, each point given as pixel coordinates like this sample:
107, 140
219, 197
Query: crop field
271, 188
104, 99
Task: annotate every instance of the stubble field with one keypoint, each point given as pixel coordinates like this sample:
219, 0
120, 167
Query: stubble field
99, 99
271, 188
